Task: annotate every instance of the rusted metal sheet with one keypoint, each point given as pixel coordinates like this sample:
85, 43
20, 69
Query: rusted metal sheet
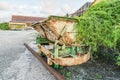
61, 31
66, 61
58, 28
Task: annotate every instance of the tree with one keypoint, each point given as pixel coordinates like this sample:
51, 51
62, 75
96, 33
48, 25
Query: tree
4, 26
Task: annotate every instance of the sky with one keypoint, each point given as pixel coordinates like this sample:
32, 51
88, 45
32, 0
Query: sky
38, 8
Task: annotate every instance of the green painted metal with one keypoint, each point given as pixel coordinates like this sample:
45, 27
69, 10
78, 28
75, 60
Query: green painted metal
56, 48
56, 51
79, 49
40, 40
63, 47
64, 52
56, 66
72, 51
37, 40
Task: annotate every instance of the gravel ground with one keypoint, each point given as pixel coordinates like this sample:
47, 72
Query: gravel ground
92, 70
16, 62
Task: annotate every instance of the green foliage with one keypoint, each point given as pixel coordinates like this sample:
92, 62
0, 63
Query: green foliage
98, 76
62, 18
118, 60
118, 47
19, 26
99, 26
4, 26
68, 75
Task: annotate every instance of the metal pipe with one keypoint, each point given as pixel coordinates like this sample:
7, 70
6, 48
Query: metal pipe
57, 75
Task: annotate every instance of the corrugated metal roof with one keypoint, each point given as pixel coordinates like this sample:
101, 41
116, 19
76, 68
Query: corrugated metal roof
26, 19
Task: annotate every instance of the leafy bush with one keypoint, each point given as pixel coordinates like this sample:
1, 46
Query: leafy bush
118, 60
100, 25
4, 26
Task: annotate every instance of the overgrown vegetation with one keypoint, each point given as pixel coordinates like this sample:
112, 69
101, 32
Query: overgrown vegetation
99, 27
4, 26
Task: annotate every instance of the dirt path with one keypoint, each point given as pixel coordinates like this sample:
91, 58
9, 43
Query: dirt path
16, 62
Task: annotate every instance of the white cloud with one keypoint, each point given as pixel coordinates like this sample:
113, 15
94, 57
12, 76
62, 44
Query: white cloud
49, 6
45, 9
66, 9
26, 10
54, 7
41, 8
4, 17
4, 6
25, 7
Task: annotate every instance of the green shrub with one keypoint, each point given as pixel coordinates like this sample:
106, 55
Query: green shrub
4, 26
118, 60
100, 26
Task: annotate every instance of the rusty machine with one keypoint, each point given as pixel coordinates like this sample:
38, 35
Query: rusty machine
57, 41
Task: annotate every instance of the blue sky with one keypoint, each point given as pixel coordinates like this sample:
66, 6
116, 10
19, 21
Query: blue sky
41, 8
